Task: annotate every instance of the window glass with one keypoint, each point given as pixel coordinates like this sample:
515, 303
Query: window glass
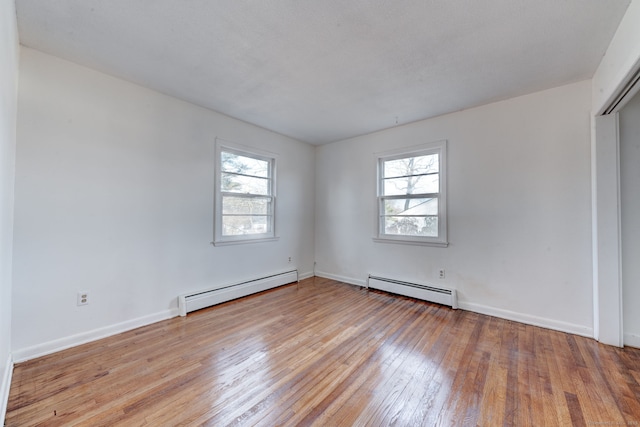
412, 194
245, 195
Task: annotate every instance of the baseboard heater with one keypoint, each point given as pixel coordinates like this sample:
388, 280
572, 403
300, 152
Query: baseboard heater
414, 290
206, 298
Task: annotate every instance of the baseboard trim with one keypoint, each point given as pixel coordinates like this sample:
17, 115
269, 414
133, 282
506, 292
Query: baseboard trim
528, 319
302, 276
339, 278
54, 346
5, 386
632, 340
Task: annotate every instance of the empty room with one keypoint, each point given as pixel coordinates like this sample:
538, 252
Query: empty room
336, 213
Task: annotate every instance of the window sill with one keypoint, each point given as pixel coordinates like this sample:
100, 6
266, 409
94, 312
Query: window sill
411, 242
243, 241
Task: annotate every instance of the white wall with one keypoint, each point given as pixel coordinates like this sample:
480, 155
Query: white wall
8, 98
519, 209
114, 195
630, 216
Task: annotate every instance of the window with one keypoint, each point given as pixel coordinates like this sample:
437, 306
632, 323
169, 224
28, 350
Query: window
245, 194
412, 195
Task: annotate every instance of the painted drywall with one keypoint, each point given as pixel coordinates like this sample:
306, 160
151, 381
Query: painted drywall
630, 217
114, 196
8, 105
620, 60
518, 202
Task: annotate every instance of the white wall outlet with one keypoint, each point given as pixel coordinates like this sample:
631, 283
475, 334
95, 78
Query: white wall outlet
83, 298
441, 273
289, 259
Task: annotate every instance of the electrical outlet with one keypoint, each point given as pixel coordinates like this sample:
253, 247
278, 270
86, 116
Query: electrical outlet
83, 298
441, 273
289, 259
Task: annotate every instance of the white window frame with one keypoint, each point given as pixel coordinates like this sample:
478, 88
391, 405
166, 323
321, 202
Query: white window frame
225, 146
437, 147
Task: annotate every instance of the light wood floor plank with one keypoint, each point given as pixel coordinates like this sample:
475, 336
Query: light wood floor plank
323, 353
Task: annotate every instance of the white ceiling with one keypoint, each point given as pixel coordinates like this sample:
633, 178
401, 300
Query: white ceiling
325, 70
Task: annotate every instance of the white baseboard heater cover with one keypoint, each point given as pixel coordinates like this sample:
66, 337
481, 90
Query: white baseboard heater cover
206, 298
415, 290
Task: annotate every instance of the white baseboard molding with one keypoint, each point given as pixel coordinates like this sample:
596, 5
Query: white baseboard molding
302, 276
528, 319
344, 279
5, 385
632, 340
60, 344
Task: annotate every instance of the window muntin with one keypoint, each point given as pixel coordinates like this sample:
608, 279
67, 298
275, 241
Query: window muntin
412, 195
245, 195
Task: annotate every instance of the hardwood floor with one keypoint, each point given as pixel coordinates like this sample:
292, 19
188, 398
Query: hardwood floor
330, 354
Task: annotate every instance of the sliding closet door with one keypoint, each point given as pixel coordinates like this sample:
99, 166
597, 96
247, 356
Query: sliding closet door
629, 122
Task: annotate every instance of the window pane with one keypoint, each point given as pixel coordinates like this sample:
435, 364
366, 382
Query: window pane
246, 205
244, 184
411, 166
412, 185
412, 195
243, 225
426, 226
244, 165
420, 207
